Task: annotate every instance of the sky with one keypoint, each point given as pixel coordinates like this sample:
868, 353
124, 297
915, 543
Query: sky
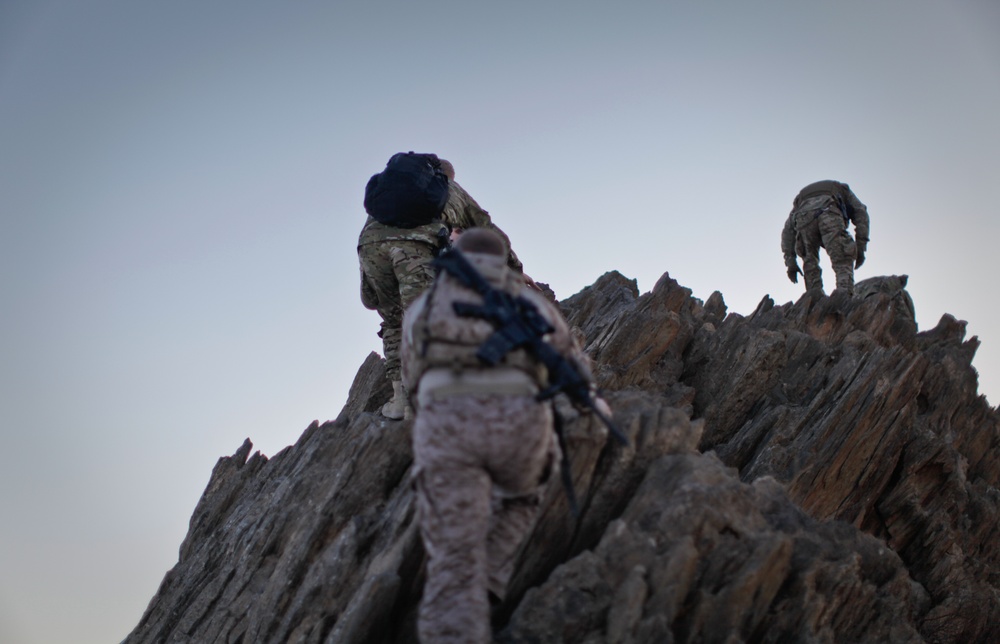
181, 189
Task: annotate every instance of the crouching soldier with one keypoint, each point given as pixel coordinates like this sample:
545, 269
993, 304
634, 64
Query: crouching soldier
484, 445
820, 216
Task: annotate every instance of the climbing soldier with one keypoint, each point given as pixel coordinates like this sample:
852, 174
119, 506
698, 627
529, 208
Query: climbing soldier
820, 216
413, 205
403, 233
483, 442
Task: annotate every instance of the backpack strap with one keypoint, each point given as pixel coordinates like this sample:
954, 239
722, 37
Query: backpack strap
519, 324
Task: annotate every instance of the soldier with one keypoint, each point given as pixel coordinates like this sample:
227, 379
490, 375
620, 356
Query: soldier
819, 219
484, 446
399, 240
395, 268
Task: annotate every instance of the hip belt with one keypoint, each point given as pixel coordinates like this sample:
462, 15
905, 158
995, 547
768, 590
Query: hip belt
813, 207
444, 382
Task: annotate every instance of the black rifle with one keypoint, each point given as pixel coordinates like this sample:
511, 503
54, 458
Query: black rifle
519, 324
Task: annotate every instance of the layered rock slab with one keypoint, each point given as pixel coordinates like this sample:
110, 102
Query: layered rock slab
838, 482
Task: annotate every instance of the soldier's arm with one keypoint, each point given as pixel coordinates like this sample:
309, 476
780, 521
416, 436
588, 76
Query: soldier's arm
788, 249
859, 217
512, 259
410, 358
463, 212
788, 240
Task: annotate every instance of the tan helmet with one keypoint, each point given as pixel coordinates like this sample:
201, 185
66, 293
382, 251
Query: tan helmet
447, 168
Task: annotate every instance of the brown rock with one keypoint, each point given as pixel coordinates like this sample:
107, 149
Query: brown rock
818, 471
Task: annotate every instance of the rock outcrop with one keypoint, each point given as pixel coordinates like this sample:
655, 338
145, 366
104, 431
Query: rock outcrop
818, 472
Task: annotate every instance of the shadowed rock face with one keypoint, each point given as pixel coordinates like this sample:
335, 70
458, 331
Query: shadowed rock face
817, 471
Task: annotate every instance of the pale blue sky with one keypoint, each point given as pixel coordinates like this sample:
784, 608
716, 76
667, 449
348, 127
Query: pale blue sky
181, 187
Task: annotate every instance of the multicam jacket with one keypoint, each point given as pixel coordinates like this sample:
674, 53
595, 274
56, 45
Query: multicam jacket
827, 195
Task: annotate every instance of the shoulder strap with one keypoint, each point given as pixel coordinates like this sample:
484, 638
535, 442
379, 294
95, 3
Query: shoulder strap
516, 320
519, 324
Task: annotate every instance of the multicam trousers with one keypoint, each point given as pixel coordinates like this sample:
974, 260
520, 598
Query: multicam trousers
819, 224
397, 271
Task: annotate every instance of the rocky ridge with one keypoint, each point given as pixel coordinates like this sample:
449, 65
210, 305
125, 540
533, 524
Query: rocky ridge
818, 471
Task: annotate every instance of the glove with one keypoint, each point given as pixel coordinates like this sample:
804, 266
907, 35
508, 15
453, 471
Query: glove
860, 258
793, 273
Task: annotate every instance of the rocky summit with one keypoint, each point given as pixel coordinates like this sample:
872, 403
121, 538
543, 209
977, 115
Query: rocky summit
820, 471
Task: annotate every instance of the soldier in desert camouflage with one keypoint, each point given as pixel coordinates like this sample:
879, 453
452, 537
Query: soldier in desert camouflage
819, 219
484, 447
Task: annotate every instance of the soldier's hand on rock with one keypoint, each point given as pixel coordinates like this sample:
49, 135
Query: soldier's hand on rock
530, 283
602, 406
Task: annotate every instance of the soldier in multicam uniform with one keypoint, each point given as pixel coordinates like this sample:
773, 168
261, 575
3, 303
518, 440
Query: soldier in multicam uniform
395, 269
819, 219
484, 447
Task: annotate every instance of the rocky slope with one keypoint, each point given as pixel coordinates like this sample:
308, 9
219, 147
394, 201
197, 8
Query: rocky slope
818, 472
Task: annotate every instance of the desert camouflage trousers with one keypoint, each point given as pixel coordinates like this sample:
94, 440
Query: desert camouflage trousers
819, 224
396, 271
482, 462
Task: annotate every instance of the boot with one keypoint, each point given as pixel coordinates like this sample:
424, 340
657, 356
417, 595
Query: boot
395, 409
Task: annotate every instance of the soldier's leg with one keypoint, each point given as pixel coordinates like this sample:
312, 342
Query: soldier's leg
377, 265
811, 270
807, 245
412, 271
524, 458
453, 502
841, 248
512, 520
411, 262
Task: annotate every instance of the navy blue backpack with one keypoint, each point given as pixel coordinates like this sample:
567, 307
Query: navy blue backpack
410, 192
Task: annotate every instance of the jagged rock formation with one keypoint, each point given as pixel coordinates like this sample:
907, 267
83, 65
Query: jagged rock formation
818, 471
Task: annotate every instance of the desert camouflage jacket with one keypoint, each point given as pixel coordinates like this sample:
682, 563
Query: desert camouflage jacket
435, 336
